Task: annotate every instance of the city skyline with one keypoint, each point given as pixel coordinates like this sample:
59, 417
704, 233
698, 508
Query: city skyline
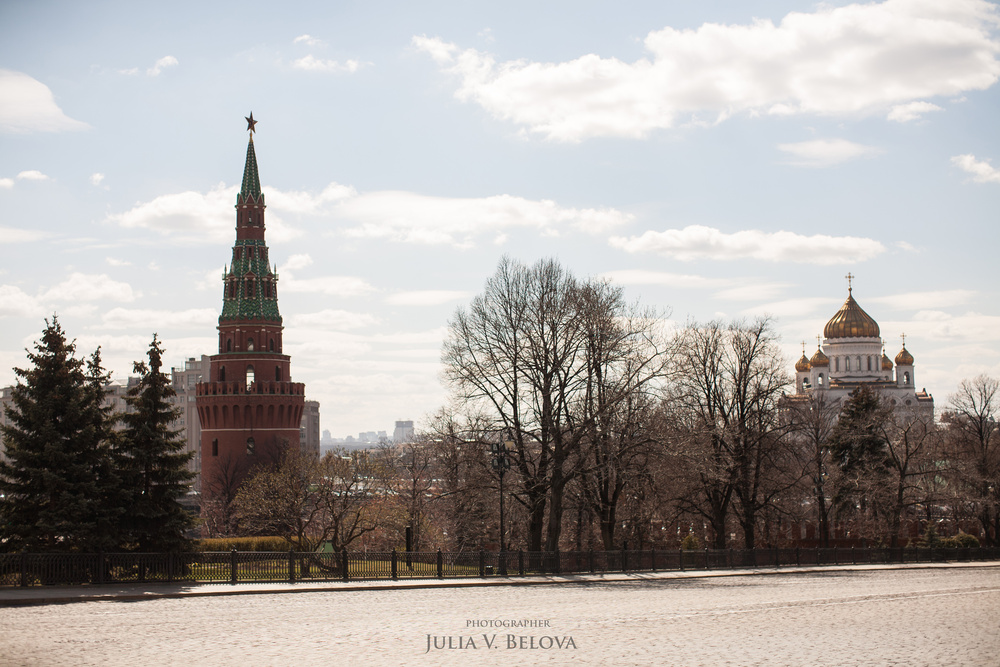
720, 161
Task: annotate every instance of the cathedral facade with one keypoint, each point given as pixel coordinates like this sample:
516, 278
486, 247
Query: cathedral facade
248, 406
852, 353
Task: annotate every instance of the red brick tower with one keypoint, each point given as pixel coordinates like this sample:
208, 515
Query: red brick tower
248, 406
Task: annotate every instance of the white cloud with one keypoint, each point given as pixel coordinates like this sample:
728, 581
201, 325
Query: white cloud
194, 218
308, 40
426, 297
753, 292
982, 171
903, 113
333, 285
699, 242
96, 178
117, 262
27, 105
825, 152
416, 218
15, 303
642, 277
297, 262
971, 326
155, 320
313, 64
90, 287
11, 235
923, 300
160, 65
851, 60
32, 175
7, 183
336, 320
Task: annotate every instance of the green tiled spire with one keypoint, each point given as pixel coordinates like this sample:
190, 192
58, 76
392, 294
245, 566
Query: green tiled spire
251, 179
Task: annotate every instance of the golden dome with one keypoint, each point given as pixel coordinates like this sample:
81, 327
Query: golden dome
802, 365
904, 358
819, 359
886, 363
851, 322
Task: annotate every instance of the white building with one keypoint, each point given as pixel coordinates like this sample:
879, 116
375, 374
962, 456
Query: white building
853, 353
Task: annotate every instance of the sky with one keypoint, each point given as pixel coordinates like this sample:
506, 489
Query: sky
718, 160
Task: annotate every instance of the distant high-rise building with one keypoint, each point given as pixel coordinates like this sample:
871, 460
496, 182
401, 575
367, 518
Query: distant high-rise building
403, 431
185, 382
309, 428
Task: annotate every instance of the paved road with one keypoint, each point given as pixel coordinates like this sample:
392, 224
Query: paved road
894, 617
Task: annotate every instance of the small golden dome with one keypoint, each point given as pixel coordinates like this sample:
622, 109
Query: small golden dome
886, 363
819, 359
802, 365
851, 322
904, 358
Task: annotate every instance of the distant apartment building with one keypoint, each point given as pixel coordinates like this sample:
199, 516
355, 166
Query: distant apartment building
309, 428
403, 431
184, 381
5, 401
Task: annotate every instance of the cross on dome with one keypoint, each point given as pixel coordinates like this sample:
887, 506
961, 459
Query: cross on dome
850, 276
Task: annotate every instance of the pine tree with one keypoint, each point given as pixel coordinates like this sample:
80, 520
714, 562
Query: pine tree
153, 462
857, 441
58, 484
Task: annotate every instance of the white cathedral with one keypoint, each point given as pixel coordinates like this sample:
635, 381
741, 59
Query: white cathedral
853, 353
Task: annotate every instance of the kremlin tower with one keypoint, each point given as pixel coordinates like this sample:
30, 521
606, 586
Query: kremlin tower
248, 405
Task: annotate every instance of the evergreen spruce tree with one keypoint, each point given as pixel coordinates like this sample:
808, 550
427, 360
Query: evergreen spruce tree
857, 441
153, 462
58, 485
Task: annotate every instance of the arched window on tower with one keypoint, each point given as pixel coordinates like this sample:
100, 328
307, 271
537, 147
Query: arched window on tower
819, 380
869, 363
249, 377
906, 378
215, 447
229, 345
857, 362
239, 253
836, 364
222, 373
277, 373
249, 286
270, 345
267, 289
249, 344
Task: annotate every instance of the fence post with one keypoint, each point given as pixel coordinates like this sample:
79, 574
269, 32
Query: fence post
836, 557
232, 566
624, 559
291, 566
591, 560
343, 562
482, 563
24, 569
777, 557
100, 567
798, 560
170, 566
680, 558
558, 567
394, 565
732, 561
708, 566
854, 556
520, 562
440, 565
652, 559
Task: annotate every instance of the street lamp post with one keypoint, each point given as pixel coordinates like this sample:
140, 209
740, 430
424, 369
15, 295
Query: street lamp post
501, 464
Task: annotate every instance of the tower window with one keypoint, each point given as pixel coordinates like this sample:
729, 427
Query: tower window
267, 290
906, 378
249, 286
271, 345
819, 380
836, 363
277, 373
239, 253
869, 363
222, 373
249, 344
251, 446
229, 345
250, 377
215, 447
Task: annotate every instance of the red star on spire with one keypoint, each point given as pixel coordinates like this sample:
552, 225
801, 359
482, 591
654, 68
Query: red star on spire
250, 123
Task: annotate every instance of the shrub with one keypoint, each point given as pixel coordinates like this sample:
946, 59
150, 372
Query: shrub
243, 544
961, 541
690, 542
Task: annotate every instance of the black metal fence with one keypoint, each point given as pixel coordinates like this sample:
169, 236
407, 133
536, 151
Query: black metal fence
27, 569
